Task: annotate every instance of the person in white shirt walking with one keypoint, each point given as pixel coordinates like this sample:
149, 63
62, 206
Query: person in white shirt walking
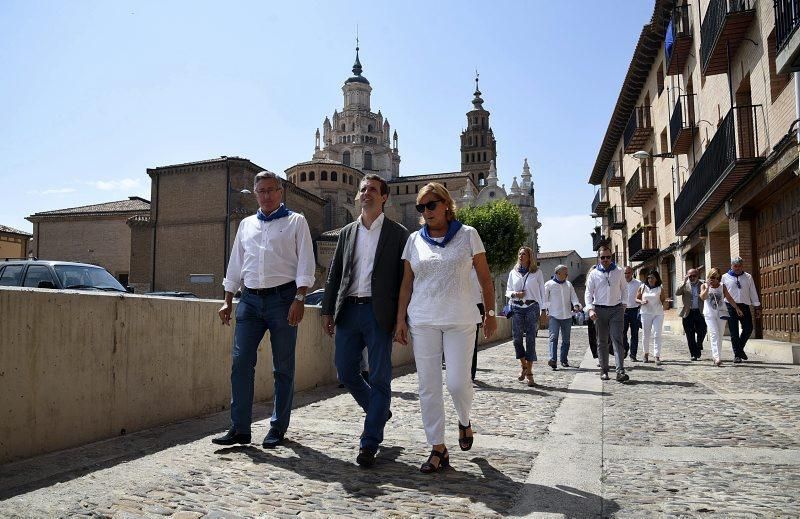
560, 300
525, 287
632, 321
742, 287
272, 261
605, 299
652, 297
715, 312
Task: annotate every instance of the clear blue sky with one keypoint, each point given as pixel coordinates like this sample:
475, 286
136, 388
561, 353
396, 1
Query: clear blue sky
93, 93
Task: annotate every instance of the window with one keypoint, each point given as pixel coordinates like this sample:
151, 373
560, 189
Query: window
311, 175
416, 188
484, 156
350, 180
11, 276
344, 178
303, 176
660, 78
369, 128
123, 279
481, 180
667, 210
334, 177
368, 160
483, 140
664, 141
345, 161
492, 194
323, 175
36, 274
406, 189
344, 128
469, 141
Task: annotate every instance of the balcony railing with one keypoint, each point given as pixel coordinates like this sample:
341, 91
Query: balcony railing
724, 25
614, 176
638, 130
678, 42
682, 124
731, 155
598, 239
641, 186
615, 218
600, 202
787, 19
643, 244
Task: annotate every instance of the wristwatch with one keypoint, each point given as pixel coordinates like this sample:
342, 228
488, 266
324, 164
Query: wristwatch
490, 313
300, 297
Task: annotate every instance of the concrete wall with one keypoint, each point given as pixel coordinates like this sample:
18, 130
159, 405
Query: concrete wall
78, 367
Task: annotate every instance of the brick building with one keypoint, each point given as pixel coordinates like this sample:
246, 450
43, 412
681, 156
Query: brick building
96, 234
13, 243
699, 161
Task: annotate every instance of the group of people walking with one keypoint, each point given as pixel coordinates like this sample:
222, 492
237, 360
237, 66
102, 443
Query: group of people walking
429, 288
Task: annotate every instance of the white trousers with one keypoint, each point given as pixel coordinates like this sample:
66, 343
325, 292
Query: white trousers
716, 330
651, 327
457, 343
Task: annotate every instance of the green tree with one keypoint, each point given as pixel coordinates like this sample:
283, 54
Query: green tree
500, 227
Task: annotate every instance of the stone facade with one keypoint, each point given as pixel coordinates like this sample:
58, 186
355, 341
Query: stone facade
13, 243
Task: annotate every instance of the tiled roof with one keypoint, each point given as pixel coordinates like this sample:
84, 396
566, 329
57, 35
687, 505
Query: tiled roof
430, 176
555, 254
223, 158
132, 204
11, 230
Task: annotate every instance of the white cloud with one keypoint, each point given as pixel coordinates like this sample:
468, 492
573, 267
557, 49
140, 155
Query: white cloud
59, 191
567, 233
125, 184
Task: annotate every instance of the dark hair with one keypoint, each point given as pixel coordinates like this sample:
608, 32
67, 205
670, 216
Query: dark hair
656, 275
373, 176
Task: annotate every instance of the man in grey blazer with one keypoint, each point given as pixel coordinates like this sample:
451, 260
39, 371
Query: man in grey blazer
694, 324
360, 305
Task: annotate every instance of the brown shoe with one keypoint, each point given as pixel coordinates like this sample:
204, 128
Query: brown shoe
524, 369
529, 375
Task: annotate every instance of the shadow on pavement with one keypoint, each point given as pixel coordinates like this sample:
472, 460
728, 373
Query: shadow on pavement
479, 384
390, 476
634, 382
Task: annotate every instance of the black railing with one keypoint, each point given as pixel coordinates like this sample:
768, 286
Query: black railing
681, 27
643, 178
613, 171
640, 118
600, 196
787, 19
736, 138
597, 238
683, 116
643, 243
714, 22
614, 216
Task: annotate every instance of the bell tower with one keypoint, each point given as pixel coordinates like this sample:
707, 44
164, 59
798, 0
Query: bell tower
478, 146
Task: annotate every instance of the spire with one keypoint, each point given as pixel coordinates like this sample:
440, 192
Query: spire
515, 190
527, 185
357, 69
467, 198
316, 141
477, 102
491, 180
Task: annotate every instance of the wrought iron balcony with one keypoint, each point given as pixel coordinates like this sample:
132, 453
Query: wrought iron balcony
731, 155
678, 42
638, 130
724, 27
682, 125
615, 218
641, 187
643, 244
598, 239
787, 42
614, 176
600, 203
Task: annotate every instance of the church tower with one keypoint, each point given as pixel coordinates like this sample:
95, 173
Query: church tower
478, 146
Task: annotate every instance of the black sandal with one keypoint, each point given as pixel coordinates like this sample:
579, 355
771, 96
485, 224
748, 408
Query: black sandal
465, 442
444, 461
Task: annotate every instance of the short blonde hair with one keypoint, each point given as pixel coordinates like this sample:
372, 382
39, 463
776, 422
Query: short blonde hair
533, 265
443, 194
714, 273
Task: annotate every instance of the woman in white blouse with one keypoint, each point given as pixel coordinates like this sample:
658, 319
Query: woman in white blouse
437, 310
714, 293
652, 297
525, 288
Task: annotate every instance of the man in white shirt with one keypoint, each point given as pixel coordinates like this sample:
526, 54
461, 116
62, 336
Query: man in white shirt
360, 305
272, 261
606, 290
559, 301
742, 287
631, 314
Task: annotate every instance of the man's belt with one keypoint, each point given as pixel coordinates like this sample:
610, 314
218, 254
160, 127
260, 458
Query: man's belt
270, 290
358, 300
608, 306
525, 302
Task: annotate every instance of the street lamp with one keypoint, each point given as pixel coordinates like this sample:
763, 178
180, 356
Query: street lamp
643, 155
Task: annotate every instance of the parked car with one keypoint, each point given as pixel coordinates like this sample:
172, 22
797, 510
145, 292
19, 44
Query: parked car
315, 297
57, 274
168, 293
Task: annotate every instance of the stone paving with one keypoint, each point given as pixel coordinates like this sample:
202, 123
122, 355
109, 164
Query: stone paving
682, 439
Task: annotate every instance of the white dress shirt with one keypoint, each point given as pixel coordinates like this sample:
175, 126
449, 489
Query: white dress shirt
746, 295
559, 299
269, 254
364, 257
533, 286
605, 288
633, 288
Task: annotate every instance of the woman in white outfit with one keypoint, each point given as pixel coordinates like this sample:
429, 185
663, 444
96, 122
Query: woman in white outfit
436, 301
525, 289
652, 297
715, 312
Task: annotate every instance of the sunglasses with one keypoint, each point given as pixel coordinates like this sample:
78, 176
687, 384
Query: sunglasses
601, 257
430, 206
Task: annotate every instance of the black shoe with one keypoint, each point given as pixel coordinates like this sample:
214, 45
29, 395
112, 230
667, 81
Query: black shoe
604, 376
622, 377
366, 457
231, 437
634, 359
743, 355
564, 363
552, 364
737, 360
694, 358
273, 439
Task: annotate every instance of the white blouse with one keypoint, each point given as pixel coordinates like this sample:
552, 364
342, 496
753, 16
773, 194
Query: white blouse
653, 298
443, 287
533, 286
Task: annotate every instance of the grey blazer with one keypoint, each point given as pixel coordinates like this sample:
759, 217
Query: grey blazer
685, 291
387, 272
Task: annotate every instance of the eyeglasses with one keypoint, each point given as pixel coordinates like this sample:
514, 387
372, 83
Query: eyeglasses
601, 257
267, 192
430, 206
738, 285
693, 275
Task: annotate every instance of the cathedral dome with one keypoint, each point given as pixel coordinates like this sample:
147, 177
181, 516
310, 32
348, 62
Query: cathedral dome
357, 78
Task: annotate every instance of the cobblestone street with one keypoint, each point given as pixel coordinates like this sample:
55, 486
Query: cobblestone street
682, 439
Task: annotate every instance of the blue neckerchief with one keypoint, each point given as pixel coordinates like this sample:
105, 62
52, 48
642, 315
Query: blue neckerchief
522, 270
610, 267
734, 274
280, 212
453, 228
555, 278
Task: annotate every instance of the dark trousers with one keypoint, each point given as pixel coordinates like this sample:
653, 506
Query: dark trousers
694, 324
631, 322
739, 340
609, 324
592, 337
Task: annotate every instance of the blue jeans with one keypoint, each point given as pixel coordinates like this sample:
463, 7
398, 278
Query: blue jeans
632, 322
555, 326
525, 322
356, 328
255, 314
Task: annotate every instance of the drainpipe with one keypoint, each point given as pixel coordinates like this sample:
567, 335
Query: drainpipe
155, 232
